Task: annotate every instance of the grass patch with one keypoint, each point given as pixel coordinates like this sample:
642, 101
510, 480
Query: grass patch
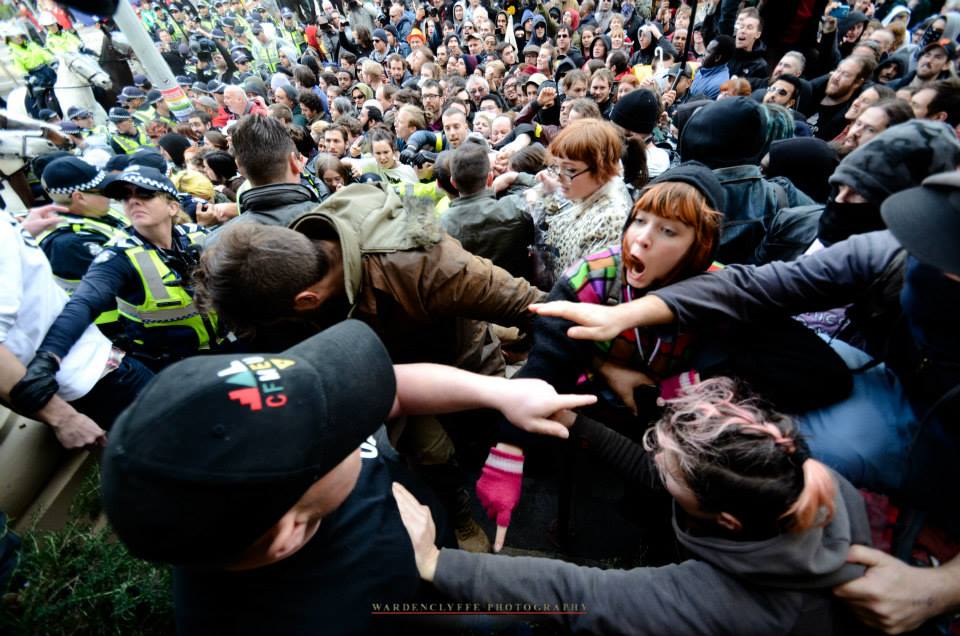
79, 580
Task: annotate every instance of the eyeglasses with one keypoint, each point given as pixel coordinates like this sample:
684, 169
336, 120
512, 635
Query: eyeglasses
431, 96
562, 35
566, 173
139, 193
782, 92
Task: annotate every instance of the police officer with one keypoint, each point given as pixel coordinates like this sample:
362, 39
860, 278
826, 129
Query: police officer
205, 20
83, 118
129, 136
87, 226
29, 58
147, 275
265, 52
291, 31
242, 60
135, 100
58, 40
160, 109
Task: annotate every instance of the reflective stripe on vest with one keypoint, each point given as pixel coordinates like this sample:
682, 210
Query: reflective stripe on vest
144, 116
164, 305
87, 224
130, 145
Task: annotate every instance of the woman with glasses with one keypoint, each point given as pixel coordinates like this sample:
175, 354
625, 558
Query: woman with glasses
146, 278
581, 202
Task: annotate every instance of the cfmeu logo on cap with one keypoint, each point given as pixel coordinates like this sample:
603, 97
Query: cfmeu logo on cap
216, 449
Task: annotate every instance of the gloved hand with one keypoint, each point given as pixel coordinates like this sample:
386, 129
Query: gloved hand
407, 156
38, 385
498, 489
423, 157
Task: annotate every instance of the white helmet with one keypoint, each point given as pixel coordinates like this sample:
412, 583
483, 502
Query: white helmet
12, 29
46, 19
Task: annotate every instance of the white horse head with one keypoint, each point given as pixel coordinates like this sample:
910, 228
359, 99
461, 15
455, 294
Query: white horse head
84, 68
76, 75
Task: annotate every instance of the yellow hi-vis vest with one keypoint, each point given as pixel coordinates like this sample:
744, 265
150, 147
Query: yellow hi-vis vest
78, 224
131, 144
165, 301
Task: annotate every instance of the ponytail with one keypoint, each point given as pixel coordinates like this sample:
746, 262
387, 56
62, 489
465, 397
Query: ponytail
818, 493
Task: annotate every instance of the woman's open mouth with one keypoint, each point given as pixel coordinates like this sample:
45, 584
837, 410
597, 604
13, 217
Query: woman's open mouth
634, 271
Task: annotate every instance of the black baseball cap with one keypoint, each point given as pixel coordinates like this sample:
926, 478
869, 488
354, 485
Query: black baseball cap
216, 449
926, 220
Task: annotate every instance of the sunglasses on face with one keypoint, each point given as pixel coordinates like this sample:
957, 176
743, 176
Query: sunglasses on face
139, 193
782, 92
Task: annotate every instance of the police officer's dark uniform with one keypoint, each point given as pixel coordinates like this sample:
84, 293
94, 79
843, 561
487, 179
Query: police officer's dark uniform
150, 286
72, 244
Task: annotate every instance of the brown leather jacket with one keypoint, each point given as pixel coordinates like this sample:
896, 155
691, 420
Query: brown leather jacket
427, 298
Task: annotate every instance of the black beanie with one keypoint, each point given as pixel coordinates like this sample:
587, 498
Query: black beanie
175, 145
729, 132
637, 111
700, 177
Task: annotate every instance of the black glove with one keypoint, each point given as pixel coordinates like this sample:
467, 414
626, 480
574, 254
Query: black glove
38, 386
423, 157
407, 155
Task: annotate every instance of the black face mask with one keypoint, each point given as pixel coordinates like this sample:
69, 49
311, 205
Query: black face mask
842, 220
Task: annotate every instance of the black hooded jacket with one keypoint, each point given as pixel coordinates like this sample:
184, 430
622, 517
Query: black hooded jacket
751, 65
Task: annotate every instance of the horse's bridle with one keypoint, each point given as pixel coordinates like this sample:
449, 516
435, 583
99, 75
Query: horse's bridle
88, 79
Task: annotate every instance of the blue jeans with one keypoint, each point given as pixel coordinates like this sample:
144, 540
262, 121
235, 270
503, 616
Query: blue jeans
868, 436
114, 392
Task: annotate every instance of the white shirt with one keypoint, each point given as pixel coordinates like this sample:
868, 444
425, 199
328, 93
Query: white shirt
30, 301
658, 161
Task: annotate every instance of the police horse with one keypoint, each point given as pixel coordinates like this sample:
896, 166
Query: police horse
77, 76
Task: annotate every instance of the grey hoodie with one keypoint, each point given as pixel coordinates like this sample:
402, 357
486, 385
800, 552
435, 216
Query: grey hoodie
779, 585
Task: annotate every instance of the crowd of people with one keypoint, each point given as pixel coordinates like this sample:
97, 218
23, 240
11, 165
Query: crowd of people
714, 244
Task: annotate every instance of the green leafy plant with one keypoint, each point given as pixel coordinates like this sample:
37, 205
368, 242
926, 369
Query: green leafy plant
81, 580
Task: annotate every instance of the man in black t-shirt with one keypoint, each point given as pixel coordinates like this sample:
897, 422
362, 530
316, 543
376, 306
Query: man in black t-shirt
834, 93
265, 479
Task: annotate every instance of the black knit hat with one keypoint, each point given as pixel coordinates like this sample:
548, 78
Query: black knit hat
700, 177
637, 111
730, 132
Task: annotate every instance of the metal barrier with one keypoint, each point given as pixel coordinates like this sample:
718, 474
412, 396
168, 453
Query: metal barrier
38, 478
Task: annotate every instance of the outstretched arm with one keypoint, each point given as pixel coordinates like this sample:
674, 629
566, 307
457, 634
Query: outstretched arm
838, 275
528, 404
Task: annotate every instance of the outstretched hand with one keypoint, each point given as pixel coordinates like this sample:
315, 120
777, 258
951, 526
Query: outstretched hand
892, 596
597, 322
423, 534
42, 218
531, 405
